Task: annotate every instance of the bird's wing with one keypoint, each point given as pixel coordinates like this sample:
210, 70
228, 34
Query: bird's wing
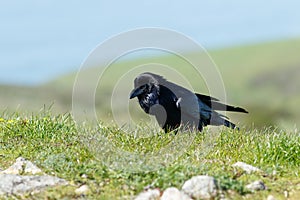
187, 101
204, 97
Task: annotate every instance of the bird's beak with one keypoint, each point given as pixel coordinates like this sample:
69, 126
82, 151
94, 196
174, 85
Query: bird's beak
135, 92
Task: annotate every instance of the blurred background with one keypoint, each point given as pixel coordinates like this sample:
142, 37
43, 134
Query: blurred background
254, 44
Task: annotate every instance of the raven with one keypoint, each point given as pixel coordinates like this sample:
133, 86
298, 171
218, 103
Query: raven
173, 105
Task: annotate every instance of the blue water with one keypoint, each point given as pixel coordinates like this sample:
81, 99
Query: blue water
40, 40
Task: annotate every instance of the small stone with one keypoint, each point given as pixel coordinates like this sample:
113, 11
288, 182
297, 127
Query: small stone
84, 176
271, 197
200, 187
83, 190
173, 193
286, 194
256, 185
149, 195
246, 167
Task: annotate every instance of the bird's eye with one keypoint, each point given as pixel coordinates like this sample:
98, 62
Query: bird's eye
145, 87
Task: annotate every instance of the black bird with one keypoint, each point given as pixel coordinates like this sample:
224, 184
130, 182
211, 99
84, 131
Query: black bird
173, 105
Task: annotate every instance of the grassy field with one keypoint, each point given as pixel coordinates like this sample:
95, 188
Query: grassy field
60, 147
263, 78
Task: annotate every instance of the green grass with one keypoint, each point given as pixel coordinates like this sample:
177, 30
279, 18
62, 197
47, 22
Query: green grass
60, 147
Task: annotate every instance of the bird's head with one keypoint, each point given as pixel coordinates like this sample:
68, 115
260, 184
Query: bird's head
146, 89
144, 85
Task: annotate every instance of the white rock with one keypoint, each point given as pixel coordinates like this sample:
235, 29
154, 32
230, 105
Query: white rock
173, 193
84, 176
247, 168
256, 185
82, 190
22, 166
200, 187
286, 194
12, 184
149, 195
271, 197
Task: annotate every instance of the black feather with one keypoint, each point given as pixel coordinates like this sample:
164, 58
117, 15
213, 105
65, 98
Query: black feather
214, 104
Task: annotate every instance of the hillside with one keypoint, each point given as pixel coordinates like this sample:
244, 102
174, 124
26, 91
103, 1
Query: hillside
262, 78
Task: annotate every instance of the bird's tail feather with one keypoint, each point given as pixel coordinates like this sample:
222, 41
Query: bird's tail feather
218, 120
229, 124
216, 105
223, 107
